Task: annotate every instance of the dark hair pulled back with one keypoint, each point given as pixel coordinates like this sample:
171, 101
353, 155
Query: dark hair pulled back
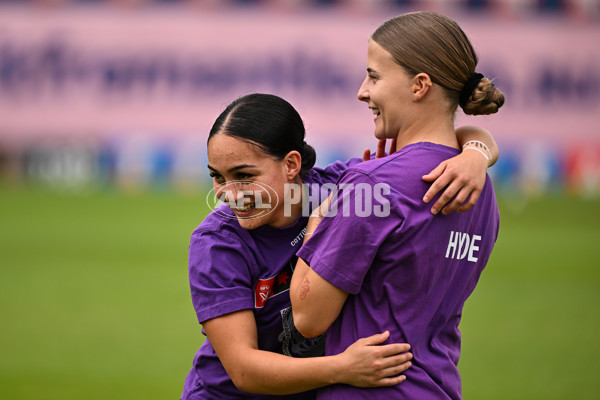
270, 123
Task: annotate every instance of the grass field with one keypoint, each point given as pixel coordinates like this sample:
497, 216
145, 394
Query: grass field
94, 299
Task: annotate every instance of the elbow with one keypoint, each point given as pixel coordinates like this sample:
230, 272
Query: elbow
242, 381
307, 326
241, 375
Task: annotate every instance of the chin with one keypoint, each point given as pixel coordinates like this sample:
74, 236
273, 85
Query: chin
251, 223
255, 221
380, 135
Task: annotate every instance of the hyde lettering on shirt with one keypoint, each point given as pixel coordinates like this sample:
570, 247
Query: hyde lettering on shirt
461, 245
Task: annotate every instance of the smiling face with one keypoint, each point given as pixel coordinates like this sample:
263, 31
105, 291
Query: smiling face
386, 90
251, 182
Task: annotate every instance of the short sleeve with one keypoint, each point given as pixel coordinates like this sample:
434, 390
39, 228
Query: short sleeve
343, 247
219, 274
332, 172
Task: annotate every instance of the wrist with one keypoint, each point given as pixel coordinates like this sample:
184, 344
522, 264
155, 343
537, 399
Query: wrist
481, 148
306, 237
337, 369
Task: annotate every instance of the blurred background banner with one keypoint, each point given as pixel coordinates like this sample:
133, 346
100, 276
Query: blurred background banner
137, 85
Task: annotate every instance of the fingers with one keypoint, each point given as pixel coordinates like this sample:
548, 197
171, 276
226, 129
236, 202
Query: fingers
438, 184
459, 191
377, 339
398, 362
391, 381
453, 197
435, 173
471, 202
388, 349
394, 348
459, 196
463, 178
393, 146
449, 200
398, 366
391, 369
380, 153
379, 365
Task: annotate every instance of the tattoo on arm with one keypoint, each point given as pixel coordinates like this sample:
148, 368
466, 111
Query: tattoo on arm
304, 288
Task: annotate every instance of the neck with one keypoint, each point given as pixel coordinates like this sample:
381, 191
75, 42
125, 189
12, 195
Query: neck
291, 208
429, 128
432, 121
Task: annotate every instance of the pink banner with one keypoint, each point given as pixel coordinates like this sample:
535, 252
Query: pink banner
168, 72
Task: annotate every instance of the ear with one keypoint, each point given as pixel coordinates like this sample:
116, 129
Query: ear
421, 83
293, 164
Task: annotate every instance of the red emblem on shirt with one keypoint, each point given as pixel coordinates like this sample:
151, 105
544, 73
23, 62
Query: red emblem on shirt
283, 277
264, 290
267, 288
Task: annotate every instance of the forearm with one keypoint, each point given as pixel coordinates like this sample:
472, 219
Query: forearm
465, 134
365, 363
272, 373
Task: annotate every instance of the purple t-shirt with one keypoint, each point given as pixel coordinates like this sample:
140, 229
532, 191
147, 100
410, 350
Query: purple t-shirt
407, 271
233, 269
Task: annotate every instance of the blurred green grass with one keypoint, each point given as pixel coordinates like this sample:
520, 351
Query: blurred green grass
95, 303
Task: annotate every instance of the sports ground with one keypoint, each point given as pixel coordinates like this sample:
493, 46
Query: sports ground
95, 304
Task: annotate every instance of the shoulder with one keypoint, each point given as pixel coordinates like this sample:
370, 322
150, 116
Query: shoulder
421, 151
220, 224
219, 247
330, 173
415, 159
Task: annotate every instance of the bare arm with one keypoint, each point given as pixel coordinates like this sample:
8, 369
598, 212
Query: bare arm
366, 363
465, 134
316, 303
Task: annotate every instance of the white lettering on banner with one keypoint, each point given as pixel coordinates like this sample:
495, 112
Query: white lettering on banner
462, 244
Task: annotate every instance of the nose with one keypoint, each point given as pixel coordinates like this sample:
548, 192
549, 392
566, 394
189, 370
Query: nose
363, 93
235, 193
223, 193
228, 194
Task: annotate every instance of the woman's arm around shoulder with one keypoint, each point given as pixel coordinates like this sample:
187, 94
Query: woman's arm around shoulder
463, 176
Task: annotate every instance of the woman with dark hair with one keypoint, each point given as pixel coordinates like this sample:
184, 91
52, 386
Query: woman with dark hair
241, 260
410, 272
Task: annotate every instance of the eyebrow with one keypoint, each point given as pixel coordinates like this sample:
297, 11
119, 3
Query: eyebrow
230, 170
371, 71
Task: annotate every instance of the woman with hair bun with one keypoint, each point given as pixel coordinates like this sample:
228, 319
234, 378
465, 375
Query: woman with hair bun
241, 260
409, 271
